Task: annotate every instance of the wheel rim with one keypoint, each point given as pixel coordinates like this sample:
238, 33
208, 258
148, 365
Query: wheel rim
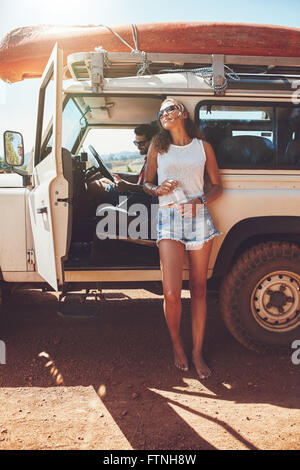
275, 301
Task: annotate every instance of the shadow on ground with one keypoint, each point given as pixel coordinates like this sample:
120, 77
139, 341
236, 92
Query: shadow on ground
125, 353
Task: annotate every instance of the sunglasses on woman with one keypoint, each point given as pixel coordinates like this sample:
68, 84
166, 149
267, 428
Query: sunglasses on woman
167, 110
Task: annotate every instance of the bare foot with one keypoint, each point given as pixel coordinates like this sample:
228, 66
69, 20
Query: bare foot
202, 369
180, 358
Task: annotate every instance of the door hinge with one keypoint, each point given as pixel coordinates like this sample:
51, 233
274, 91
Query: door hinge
30, 257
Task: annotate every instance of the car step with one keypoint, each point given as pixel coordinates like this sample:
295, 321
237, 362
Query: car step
80, 305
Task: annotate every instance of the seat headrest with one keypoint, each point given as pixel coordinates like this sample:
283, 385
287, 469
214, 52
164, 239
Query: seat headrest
245, 150
292, 153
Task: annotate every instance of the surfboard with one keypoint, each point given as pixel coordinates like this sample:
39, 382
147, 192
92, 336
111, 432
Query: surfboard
24, 52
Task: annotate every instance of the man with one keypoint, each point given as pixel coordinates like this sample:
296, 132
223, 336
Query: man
20, 151
103, 190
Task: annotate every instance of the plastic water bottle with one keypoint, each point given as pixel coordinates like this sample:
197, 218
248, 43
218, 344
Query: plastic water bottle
177, 196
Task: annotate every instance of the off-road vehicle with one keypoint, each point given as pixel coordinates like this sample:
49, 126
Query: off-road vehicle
252, 119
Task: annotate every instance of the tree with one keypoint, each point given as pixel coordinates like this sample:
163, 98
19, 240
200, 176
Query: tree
11, 155
4, 166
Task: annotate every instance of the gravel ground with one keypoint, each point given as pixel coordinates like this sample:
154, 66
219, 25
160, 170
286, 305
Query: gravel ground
109, 382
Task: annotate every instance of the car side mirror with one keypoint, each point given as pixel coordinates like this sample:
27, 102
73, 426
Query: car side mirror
13, 148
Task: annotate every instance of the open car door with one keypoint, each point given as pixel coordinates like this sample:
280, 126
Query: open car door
49, 200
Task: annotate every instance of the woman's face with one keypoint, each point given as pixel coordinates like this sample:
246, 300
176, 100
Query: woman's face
170, 115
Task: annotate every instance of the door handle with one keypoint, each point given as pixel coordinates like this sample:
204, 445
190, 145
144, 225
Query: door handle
42, 210
67, 200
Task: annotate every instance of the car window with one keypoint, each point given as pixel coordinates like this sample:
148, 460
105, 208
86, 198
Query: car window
116, 148
252, 135
73, 125
288, 129
242, 136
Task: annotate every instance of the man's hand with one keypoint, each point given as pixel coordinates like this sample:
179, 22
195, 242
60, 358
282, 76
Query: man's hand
94, 177
121, 186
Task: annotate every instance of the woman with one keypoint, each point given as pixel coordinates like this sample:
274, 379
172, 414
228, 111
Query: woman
179, 158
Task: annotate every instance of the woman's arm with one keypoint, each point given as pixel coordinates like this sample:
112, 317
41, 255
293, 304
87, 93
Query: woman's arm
150, 175
150, 172
212, 169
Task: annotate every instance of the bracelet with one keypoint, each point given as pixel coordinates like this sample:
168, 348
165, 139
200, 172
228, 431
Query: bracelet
156, 190
151, 188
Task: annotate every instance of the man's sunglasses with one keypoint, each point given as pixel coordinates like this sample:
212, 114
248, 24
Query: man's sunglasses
168, 110
141, 143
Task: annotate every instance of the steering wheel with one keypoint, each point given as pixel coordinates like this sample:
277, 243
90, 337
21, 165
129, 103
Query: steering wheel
102, 168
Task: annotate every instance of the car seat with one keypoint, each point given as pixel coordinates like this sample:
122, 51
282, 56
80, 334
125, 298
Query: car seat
292, 153
244, 151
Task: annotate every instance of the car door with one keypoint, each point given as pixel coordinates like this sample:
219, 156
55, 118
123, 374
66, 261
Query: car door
48, 200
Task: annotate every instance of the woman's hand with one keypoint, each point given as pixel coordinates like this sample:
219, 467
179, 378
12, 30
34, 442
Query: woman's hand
166, 187
189, 209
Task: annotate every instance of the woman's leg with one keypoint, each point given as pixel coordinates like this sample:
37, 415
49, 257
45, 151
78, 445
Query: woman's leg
198, 279
172, 257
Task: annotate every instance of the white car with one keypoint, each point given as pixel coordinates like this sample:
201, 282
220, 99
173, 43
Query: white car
48, 231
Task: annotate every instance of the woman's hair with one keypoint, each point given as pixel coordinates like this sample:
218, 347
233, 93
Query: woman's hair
163, 139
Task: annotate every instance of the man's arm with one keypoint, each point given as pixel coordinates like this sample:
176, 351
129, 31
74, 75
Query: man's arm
122, 186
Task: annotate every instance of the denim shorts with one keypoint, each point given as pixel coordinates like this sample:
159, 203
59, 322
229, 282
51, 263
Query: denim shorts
193, 232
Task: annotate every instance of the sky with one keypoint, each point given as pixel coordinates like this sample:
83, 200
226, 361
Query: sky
18, 102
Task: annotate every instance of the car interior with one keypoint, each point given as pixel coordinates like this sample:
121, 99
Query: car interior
267, 138
85, 248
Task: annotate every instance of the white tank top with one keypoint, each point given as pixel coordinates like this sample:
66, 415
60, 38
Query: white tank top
184, 164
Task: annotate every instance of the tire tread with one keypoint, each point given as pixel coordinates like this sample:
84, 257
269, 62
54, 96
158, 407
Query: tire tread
244, 266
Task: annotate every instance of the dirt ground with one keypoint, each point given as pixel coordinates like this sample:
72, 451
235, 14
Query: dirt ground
109, 382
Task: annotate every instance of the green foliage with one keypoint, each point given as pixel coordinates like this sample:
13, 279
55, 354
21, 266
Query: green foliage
128, 169
4, 166
11, 155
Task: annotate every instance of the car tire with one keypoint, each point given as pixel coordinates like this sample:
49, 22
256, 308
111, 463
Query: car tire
260, 296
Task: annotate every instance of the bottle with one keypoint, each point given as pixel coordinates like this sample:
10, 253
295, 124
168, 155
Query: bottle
177, 196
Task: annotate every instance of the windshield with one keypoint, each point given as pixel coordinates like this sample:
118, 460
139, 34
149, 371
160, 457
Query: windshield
73, 123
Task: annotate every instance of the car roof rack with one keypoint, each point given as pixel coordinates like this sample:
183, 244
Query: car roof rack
96, 66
